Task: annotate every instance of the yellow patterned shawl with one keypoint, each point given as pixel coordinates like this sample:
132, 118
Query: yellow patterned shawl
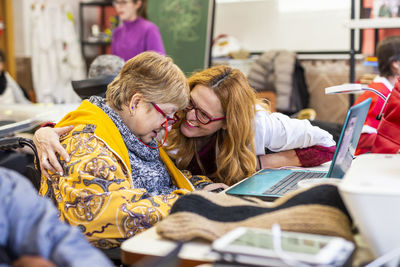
96, 191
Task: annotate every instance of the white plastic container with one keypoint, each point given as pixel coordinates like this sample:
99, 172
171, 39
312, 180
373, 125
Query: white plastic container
371, 192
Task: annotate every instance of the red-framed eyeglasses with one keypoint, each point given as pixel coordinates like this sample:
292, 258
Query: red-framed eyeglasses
201, 115
169, 121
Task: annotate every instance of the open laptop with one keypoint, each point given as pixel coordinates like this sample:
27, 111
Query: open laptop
269, 184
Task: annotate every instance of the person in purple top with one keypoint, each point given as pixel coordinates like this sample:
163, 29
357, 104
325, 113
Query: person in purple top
136, 34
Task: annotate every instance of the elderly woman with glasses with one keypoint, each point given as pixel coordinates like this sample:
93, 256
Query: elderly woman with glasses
115, 181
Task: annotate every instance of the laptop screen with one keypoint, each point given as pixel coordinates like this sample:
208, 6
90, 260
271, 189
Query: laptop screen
349, 139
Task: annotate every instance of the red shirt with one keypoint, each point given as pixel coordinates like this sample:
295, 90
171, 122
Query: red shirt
367, 138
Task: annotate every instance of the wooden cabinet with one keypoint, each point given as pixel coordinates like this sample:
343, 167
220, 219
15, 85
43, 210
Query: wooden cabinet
7, 35
84, 33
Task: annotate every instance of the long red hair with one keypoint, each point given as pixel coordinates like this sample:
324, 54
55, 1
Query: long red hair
235, 145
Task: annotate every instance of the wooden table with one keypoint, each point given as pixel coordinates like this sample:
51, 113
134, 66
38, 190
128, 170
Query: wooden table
150, 244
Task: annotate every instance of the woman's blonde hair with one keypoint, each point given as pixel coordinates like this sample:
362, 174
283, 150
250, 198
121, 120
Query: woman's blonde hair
236, 153
154, 76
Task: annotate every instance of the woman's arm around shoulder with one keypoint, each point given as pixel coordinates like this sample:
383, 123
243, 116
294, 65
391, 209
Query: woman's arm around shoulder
47, 142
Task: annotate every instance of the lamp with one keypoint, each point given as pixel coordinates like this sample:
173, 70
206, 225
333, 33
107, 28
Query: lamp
349, 88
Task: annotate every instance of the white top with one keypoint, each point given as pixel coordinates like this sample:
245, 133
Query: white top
278, 132
380, 79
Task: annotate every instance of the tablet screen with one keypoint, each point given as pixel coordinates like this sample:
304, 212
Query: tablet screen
291, 243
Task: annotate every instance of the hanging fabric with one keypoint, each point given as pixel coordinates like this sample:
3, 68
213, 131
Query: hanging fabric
56, 57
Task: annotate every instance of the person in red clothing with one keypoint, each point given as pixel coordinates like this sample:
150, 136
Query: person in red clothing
388, 54
387, 139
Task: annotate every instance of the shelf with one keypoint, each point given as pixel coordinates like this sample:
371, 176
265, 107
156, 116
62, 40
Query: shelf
96, 3
96, 43
378, 23
328, 56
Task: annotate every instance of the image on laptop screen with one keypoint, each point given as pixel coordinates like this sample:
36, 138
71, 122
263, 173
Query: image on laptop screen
346, 150
348, 140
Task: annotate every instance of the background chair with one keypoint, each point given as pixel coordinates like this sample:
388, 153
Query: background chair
94, 86
31, 168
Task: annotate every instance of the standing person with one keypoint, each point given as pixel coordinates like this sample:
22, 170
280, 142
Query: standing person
32, 235
225, 132
115, 182
388, 54
136, 34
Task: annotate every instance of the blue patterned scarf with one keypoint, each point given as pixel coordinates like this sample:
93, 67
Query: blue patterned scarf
148, 170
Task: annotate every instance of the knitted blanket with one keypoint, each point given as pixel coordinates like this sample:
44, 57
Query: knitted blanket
316, 210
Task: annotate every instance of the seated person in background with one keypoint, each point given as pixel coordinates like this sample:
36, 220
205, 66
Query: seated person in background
117, 182
10, 92
102, 71
32, 235
222, 131
387, 140
388, 54
105, 65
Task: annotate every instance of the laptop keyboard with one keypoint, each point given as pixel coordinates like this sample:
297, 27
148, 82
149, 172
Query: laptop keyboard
289, 183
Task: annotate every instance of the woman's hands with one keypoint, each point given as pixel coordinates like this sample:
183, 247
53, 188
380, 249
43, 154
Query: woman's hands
47, 142
278, 159
215, 187
32, 261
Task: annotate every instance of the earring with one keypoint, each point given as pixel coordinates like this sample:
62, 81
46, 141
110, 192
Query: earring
132, 111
